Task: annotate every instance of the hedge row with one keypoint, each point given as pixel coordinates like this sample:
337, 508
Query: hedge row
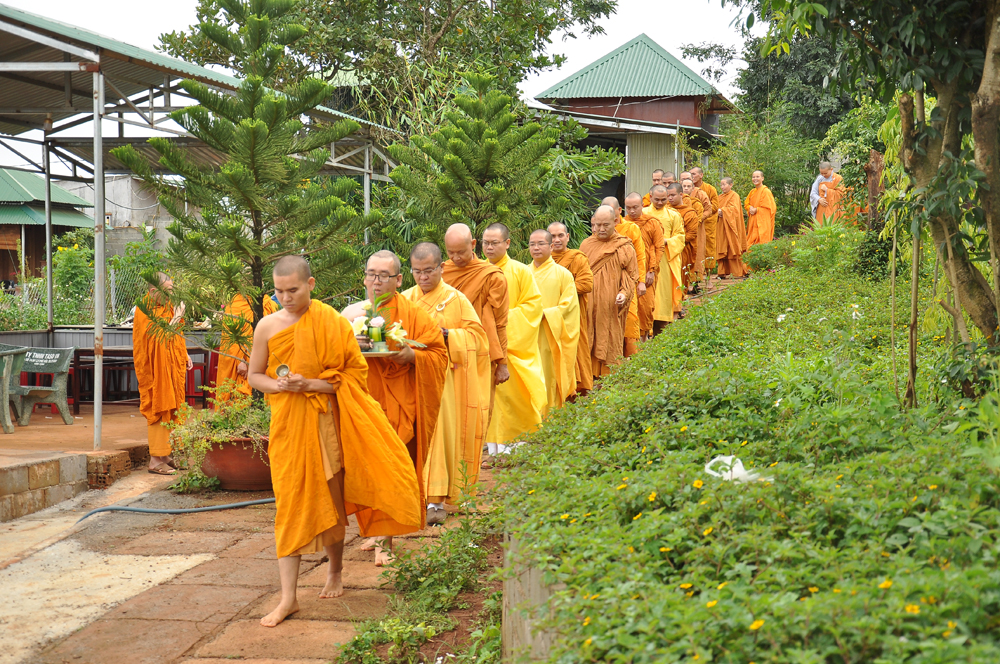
874, 538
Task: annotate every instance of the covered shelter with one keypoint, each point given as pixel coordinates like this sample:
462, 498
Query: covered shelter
55, 77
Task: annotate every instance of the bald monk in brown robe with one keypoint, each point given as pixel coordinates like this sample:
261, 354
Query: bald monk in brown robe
409, 384
613, 261
631, 230
161, 367
575, 261
652, 239
485, 286
712, 220
331, 449
732, 232
681, 203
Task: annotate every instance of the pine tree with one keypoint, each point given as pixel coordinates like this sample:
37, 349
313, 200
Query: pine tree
268, 199
482, 166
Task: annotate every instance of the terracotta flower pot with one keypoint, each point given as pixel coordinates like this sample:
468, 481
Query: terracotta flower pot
236, 466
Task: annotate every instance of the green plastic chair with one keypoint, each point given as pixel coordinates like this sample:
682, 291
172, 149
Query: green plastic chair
55, 361
11, 361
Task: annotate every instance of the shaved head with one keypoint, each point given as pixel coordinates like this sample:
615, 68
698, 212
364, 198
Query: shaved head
604, 212
425, 251
460, 244
670, 174
635, 195
675, 187
385, 254
727, 179
502, 228
288, 266
557, 227
825, 165
659, 189
458, 232
541, 233
658, 171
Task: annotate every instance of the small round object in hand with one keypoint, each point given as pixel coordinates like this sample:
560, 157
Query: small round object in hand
282, 370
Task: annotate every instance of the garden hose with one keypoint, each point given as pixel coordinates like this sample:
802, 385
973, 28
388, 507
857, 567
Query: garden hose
190, 510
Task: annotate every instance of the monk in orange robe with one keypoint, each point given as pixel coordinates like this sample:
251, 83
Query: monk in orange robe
631, 230
575, 261
409, 384
652, 240
613, 262
331, 448
692, 222
732, 232
697, 199
761, 210
657, 179
161, 366
710, 199
233, 356
669, 304
825, 195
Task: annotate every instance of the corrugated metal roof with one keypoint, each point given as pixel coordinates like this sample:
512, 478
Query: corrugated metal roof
640, 68
20, 187
32, 215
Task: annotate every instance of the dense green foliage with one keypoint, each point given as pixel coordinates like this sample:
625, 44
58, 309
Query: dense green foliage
872, 537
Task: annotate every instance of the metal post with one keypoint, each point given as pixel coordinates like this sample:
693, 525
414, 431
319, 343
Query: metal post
367, 178
99, 302
677, 138
48, 234
24, 286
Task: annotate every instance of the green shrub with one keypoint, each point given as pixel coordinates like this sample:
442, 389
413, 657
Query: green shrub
874, 255
771, 256
873, 538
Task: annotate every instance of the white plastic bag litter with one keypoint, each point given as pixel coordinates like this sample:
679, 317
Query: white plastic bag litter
731, 468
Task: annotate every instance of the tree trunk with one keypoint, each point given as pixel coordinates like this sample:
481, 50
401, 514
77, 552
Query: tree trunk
873, 171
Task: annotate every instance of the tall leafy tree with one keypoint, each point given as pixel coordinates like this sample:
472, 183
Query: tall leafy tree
268, 199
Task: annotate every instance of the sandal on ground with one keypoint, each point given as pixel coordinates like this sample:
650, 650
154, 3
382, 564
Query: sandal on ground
487, 464
173, 464
161, 469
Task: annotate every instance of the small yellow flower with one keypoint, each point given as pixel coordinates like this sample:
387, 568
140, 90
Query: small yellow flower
932, 486
648, 429
913, 608
652, 496
572, 521
643, 449
588, 642
838, 477
531, 492
704, 502
773, 464
683, 429
564, 516
836, 590
685, 586
743, 443
586, 621
723, 585
712, 603
952, 624
697, 484
885, 554
631, 550
946, 633
708, 531
620, 487
690, 594
756, 624
596, 596
664, 549
636, 517
813, 589
885, 585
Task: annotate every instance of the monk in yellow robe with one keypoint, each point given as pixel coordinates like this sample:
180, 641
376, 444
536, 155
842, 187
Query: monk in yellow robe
712, 219
409, 384
560, 331
485, 286
613, 261
669, 302
825, 195
652, 240
331, 449
693, 234
161, 366
631, 230
520, 402
761, 210
657, 179
732, 232
456, 447
576, 262
233, 357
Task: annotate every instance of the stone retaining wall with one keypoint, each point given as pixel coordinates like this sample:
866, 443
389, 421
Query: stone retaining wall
34, 485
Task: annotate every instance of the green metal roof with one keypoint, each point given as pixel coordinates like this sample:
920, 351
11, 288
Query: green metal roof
640, 68
18, 187
34, 215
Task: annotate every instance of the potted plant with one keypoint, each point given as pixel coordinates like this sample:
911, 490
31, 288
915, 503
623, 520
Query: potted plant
225, 447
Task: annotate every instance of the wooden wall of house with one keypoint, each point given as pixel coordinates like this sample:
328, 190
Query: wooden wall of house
34, 255
646, 153
683, 110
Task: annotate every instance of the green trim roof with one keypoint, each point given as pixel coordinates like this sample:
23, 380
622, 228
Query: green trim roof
34, 215
640, 68
17, 187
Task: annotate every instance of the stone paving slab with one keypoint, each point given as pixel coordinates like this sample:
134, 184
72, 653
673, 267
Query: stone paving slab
292, 639
353, 606
128, 641
167, 543
253, 519
358, 575
209, 604
214, 660
228, 572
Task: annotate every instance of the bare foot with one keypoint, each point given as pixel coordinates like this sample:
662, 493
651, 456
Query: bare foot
334, 586
383, 557
275, 617
369, 544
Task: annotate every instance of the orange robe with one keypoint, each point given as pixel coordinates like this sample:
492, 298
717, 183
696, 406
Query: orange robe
760, 226
238, 308
831, 212
485, 286
711, 223
613, 262
410, 394
161, 371
690, 254
695, 200
652, 238
575, 261
632, 231
732, 236
380, 484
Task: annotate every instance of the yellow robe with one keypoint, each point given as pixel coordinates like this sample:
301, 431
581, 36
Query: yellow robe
669, 284
560, 332
520, 402
455, 451
380, 484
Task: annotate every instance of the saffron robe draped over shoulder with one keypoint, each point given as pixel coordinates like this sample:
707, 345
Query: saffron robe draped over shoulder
732, 236
670, 281
575, 261
832, 211
560, 331
520, 402
239, 307
456, 446
711, 223
631, 230
652, 237
689, 256
485, 286
380, 483
161, 372
613, 263
760, 226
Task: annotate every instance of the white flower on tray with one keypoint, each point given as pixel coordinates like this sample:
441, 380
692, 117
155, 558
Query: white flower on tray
366, 305
359, 324
378, 321
396, 332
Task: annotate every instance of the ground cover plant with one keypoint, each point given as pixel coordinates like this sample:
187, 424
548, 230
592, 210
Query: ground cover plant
871, 537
